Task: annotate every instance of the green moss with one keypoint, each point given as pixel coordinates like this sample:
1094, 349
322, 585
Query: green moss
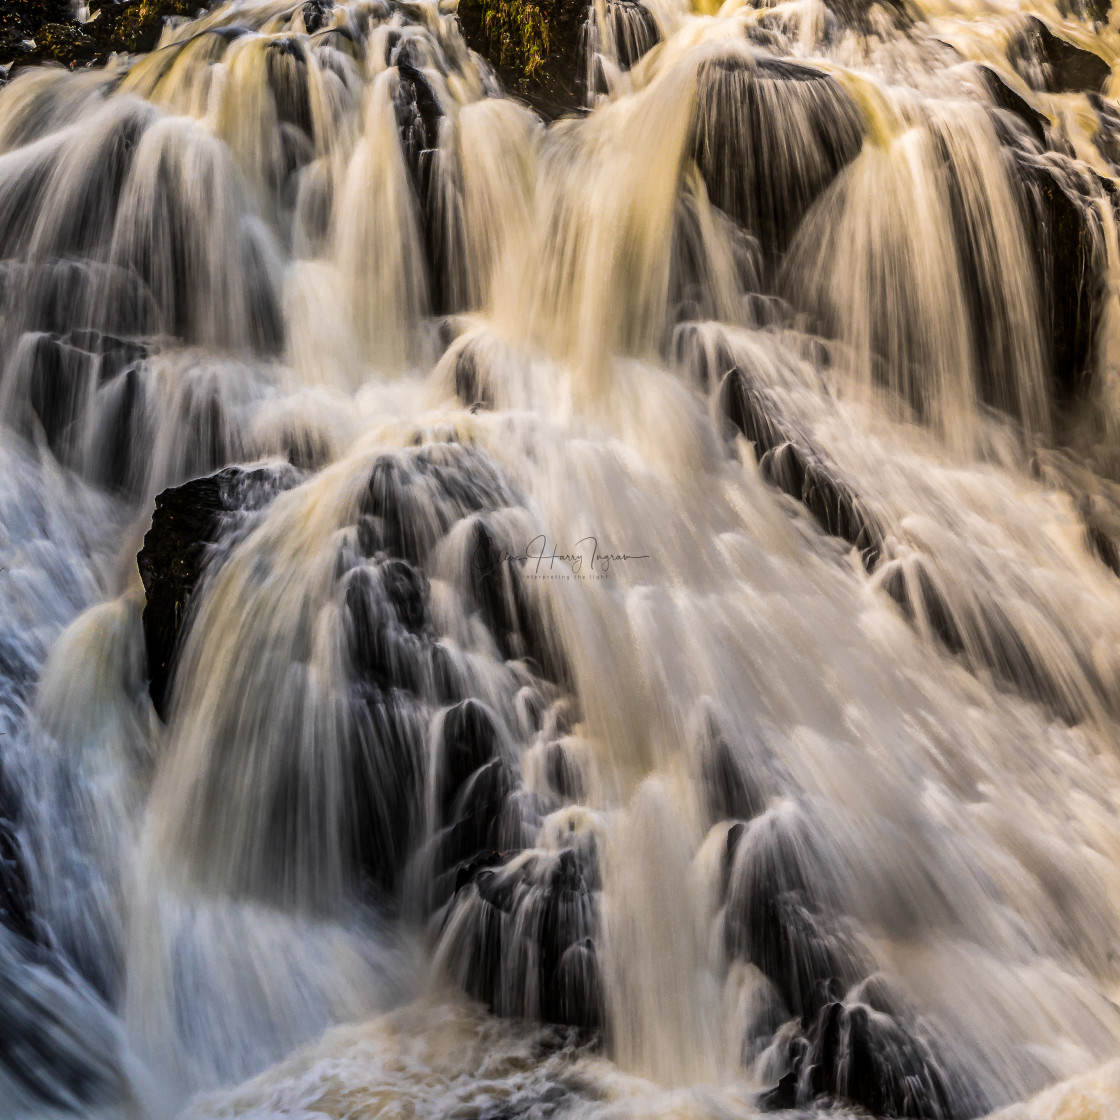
137, 28
518, 31
62, 42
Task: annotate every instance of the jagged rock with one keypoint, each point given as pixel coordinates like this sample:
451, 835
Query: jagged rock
1011, 102
535, 49
741, 143
1047, 62
187, 522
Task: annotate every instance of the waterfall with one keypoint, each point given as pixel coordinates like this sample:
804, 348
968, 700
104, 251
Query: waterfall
517, 613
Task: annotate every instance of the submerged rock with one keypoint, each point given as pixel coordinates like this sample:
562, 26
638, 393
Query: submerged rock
520, 938
853, 1054
747, 110
187, 523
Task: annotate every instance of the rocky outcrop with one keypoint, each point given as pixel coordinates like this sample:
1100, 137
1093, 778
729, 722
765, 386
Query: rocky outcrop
1049, 63
32, 34
534, 48
188, 523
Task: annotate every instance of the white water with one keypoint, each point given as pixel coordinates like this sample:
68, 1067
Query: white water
238, 212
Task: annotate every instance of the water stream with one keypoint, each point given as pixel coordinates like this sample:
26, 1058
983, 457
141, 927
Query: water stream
665, 658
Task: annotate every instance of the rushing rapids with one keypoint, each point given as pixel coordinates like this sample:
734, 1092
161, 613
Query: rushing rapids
615, 615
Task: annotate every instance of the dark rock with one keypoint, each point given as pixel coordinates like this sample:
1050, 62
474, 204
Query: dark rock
317, 14
730, 791
778, 919
564, 772
1047, 62
747, 113
789, 461
385, 618
852, 1055
130, 26
187, 522
1091, 11
535, 49
1059, 197
16, 912
1011, 102
521, 939
414, 497
497, 592
388, 739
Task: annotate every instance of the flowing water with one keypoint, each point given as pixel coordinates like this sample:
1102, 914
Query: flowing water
669, 643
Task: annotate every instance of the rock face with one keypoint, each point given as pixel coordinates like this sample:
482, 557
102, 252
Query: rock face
187, 523
132, 27
1052, 64
535, 48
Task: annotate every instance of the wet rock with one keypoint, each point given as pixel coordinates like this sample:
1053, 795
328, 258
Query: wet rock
386, 623
130, 26
534, 48
1011, 102
388, 739
188, 521
747, 112
731, 790
520, 938
317, 14
16, 912
472, 784
777, 918
1060, 199
1091, 11
1049, 63
497, 592
413, 498
789, 461
853, 1055
635, 30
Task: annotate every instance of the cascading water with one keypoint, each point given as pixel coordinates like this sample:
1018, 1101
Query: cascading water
627, 618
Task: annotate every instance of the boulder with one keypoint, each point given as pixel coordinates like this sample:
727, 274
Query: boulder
520, 937
188, 523
534, 48
851, 1054
769, 136
1049, 63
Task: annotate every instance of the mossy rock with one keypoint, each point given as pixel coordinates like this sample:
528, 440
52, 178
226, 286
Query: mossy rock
533, 46
137, 27
132, 27
63, 42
